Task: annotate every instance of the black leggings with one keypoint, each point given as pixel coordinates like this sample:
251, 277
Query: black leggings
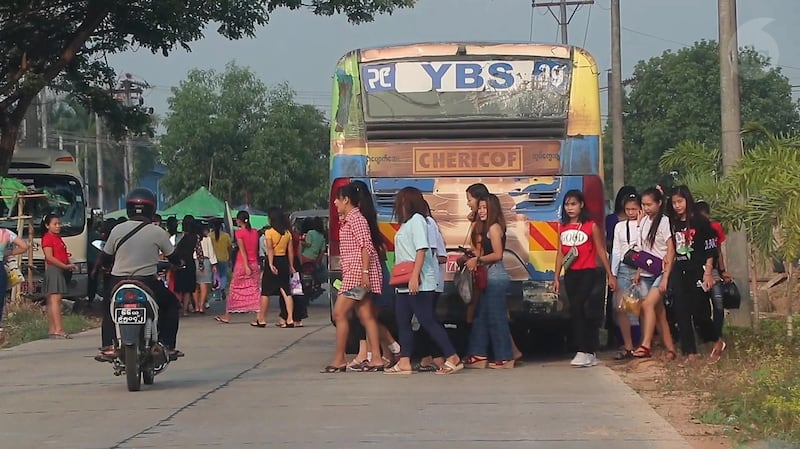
692, 307
586, 305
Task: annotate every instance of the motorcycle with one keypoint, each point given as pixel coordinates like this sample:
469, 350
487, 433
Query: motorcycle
134, 311
312, 287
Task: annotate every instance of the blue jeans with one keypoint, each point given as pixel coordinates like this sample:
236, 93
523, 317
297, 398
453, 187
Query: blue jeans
3, 286
490, 326
222, 273
421, 305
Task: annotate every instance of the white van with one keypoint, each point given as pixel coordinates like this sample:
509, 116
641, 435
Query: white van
56, 173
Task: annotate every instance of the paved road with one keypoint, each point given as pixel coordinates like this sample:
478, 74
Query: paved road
244, 387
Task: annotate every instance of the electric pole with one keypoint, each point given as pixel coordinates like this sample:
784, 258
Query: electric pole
562, 19
130, 94
43, 116
615, 92
738, 257
99, 155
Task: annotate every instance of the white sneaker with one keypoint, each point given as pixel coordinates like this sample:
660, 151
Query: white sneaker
580, 359
590, 360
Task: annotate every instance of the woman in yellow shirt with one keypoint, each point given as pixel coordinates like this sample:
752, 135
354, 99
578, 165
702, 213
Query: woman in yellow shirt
222, 249
279, 269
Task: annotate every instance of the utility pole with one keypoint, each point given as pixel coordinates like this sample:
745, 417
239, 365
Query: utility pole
43, 117
86, 172
615, 92
99, 155
738, 257
129, 90
562, 19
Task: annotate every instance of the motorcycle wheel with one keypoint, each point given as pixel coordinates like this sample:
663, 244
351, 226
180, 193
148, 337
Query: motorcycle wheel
132, 373
148, 376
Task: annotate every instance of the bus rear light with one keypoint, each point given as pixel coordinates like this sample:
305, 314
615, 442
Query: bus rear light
595, 200
65, 159
333, 228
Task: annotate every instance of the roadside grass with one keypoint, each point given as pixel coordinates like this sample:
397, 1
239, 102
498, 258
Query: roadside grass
26, 321
755, 389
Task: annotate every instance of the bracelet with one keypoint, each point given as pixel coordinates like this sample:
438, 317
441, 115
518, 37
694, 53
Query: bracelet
365, 271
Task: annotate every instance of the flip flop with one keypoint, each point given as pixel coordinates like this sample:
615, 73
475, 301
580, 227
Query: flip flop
449, 368
220, 320
330, 369
395, 370
59, 336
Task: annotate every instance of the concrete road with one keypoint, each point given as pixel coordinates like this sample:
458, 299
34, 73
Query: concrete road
245, 387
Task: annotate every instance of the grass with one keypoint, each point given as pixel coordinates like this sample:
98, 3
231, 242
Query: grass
755, 389
26, 321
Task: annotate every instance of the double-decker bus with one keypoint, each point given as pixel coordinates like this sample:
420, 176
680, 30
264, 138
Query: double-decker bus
54, 173
521, 118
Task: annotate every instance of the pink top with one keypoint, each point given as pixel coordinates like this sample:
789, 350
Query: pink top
250, 239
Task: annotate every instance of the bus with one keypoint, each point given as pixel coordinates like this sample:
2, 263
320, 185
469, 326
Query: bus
56, 174
521, 118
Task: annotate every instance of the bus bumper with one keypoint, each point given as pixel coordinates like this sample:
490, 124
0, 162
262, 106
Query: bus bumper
78, 287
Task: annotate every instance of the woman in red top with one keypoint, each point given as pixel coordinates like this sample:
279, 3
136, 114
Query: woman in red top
57, 269
580, 234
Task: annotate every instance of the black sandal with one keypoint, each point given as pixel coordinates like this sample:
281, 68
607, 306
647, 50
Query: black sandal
257, 324
330, 369
371, 368
624, 355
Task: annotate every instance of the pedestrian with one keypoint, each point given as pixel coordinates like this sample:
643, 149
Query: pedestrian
206, 261
580, 244
10, 245
245, 281
278, 269
57, 274
222, 249
627, 237
186, 276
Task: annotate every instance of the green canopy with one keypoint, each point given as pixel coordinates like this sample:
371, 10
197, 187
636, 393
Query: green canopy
200, 204
258, 221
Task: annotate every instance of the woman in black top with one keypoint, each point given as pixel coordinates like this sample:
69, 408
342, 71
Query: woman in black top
695, 250
186, 276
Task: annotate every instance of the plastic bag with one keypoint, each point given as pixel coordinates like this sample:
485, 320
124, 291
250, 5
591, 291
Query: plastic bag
632, 299
15, 276
295, 284
465, 285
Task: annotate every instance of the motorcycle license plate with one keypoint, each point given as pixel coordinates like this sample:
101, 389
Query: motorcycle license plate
135, 315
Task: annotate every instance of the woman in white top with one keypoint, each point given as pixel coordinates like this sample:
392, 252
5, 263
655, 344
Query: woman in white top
205, 275
657, 241
627, 236
432, 358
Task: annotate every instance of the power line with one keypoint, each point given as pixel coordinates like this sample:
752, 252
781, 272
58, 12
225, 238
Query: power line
588, 21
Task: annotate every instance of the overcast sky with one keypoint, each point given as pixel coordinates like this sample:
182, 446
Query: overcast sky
301, 48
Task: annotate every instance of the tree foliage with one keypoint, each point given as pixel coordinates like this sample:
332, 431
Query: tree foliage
675, 97
63, 44
255, 144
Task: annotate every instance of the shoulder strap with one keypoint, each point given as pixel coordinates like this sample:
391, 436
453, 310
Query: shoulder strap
628, 231
127, 236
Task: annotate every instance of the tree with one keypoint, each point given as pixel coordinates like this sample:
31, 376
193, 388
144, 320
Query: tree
675, 97
247, 141
63, 45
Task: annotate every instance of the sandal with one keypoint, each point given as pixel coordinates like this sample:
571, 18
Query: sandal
62, 336
396, 370
219, 319
286, 326
330, 369
670, 355
258, 324
476, 362
449, 368
716, 353
371, 368
431, 368
107, 354
624, 354
356, 366
642, 352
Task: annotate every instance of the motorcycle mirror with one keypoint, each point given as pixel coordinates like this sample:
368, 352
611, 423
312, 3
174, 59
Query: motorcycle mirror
99, 244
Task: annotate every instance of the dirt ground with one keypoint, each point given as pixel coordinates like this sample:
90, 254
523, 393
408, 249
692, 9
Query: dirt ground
649, 378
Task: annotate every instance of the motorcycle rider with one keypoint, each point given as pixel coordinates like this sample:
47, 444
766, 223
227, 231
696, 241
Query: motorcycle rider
137, 258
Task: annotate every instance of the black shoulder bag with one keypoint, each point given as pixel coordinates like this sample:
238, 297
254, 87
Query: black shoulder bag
631, 255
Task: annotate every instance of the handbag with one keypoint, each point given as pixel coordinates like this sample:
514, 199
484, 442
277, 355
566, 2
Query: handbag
481, 277
649, 263
731, 298
401, 273
631, 255
571, 255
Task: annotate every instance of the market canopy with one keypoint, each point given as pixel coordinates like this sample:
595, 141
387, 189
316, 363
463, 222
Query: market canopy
200, 204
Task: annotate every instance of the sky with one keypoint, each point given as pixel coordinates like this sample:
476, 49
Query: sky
301, 48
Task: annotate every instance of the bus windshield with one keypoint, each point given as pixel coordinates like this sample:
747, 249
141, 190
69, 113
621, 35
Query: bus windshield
64, 196
504, 89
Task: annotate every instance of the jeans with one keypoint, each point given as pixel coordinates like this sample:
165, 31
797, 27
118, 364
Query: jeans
586, 307
421, 305
3, 287
222, 273
490, 325
168, 308
719, 309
